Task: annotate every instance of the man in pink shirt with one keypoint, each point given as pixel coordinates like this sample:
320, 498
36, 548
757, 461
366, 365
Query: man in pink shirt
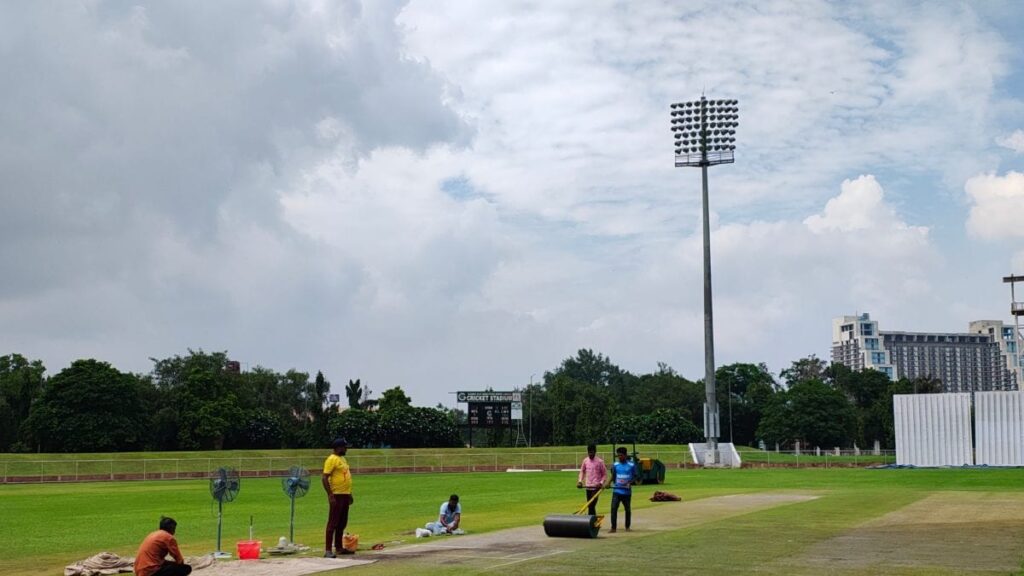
592, 477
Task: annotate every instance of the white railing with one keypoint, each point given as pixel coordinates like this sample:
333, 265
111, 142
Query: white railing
94, 470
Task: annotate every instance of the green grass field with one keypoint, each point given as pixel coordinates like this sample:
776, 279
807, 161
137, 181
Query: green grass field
46, 526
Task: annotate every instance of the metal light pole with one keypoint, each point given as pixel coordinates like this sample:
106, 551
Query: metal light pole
705, 133
529, 398
1017, 309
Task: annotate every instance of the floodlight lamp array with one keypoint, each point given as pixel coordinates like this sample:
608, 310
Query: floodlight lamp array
705, 131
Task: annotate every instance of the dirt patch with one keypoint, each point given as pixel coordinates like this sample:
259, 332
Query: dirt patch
279, 566
505, 547
674, 515
946, 530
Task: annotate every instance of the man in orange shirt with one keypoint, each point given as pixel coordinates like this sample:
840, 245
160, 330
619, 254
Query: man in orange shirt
337, 481
151, 559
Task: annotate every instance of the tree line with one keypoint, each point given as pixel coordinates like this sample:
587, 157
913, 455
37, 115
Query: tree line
201, 401
588, 398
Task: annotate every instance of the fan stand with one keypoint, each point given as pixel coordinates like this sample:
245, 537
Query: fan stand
220, 515
295, 486
291, 528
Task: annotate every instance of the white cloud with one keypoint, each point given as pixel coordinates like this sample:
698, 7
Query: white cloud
858, 207
998, 206
971, 56
1014, 141
786, 279
445, 192
142, 160
389, 218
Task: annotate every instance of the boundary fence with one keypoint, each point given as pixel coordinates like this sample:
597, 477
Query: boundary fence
99, 470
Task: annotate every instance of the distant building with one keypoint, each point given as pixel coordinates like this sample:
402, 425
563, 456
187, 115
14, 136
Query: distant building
1003, 334
983, 359
857, 343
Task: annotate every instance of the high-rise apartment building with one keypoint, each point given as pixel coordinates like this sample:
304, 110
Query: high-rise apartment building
963, 362
857, 343
1003, 334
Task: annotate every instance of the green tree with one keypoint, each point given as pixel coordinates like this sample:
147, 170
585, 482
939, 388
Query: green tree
810, 411
667, 426
581, 395
925, 385
747, 388
665, 388
361, 428
200, 390
294, 409
777, 425
626, 428
863, 388
662, 426
277, 405
263, 429
321, 387
413, 427
316, 434
804, 369
868, 392
354, 393
824, 415
21, 384
597, 370
539, 414
438, 428
394, 399
89, 407
581, 411
589, 368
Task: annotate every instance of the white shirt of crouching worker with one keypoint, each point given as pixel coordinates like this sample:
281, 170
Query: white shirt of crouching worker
447, 520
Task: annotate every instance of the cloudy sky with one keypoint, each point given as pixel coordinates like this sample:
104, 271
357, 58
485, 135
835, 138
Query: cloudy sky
458, 195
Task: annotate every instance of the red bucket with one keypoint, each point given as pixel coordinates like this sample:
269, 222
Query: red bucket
249, 549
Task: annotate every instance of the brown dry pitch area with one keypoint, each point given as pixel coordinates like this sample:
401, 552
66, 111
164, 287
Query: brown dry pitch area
952, 530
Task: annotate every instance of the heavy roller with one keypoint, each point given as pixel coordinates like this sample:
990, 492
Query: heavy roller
578, 525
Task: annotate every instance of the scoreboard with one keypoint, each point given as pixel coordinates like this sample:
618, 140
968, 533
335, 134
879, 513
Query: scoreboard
483, 415
491, 409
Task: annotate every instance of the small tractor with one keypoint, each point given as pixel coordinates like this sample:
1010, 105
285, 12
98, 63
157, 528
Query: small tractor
649, 470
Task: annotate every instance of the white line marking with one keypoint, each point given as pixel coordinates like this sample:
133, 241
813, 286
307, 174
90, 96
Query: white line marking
513, 558
525, 559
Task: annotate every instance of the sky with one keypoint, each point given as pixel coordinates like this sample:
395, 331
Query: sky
459, 195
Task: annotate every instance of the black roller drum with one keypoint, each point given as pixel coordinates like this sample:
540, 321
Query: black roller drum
571, 526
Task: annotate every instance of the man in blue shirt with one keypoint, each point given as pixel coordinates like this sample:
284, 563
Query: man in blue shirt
621, 480
448, 518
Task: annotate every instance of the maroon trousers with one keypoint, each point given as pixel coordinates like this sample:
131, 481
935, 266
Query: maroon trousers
337, 520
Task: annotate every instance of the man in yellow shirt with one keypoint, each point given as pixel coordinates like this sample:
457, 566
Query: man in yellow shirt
337, 481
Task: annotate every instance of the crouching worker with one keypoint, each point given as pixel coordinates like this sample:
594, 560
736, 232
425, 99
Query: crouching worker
151, 559
447, 519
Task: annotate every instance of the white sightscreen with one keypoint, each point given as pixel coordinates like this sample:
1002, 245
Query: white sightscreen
997, 421
933, 429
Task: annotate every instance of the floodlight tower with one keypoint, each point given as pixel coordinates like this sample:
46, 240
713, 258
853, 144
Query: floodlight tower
1017, 309
705, 135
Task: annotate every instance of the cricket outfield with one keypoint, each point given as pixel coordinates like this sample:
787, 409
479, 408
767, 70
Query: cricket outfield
767, 521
